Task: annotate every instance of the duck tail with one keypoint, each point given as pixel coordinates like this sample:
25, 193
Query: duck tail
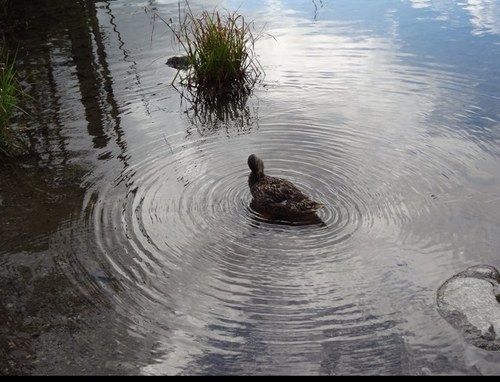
317, 206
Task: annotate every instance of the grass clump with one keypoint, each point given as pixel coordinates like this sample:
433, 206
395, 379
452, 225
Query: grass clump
219, 48
10, 95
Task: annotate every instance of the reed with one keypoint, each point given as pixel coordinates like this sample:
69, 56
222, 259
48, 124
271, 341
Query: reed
220, 51
10, 95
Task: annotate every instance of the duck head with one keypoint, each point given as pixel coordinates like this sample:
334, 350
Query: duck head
256, 165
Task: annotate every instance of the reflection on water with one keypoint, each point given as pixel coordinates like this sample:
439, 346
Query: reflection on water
209, 115
261, 214
396, 133
484, 15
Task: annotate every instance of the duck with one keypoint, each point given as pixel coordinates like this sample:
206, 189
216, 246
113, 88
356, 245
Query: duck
277, 196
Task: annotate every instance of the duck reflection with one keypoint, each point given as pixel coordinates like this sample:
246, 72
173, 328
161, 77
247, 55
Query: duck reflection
260, 213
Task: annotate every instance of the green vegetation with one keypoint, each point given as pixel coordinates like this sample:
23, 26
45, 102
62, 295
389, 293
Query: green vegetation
10, 95
220, 51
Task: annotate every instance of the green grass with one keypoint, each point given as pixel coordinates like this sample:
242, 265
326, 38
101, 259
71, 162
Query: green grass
10, 95
220, 50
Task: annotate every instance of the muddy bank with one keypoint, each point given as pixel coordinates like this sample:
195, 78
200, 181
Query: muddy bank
48, 328
48, 325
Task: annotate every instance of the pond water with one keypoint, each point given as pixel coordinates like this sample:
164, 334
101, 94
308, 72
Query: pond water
387, 112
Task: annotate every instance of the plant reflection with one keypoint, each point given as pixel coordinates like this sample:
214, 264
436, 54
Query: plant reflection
209, 113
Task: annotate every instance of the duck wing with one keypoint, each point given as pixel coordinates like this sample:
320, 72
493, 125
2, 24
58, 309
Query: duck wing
304, 206
284, 196
274, 190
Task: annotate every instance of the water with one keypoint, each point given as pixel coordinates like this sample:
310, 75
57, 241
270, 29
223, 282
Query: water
385, 112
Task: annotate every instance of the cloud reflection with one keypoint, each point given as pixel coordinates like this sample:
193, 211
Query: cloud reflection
484, 15
394, 136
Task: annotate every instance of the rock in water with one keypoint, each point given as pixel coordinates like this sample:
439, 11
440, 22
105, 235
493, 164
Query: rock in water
178, 62
470, 301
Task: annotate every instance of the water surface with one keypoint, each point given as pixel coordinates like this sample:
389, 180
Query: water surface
385, 112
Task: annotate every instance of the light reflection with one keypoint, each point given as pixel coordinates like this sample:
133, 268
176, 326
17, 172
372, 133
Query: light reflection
363, 126
347, 79
421, 3
485, 16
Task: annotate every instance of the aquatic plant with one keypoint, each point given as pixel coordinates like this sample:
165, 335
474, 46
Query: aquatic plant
10, 94
219, 48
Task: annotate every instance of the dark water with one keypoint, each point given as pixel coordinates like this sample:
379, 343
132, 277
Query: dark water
387, 112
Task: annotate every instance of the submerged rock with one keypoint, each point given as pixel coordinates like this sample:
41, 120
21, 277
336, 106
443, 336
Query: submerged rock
470, 302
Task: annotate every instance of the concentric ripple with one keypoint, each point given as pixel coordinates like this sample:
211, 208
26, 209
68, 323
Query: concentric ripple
393, 145
178, 232
199, 268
